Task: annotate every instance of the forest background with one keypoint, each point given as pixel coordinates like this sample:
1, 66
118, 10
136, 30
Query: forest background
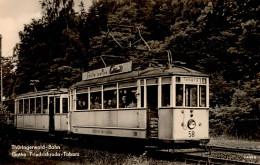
217, 37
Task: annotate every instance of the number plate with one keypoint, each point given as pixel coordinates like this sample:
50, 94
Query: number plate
191, 133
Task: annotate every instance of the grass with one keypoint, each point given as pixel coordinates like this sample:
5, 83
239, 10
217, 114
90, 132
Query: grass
227, 141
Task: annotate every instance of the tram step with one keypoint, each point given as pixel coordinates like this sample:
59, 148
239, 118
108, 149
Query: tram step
154, 136
153, 123
153, 119
153, 126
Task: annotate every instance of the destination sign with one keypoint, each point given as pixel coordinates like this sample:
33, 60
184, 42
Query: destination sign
111, 70
191, 80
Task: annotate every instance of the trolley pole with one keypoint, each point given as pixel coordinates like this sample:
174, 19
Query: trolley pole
1, 69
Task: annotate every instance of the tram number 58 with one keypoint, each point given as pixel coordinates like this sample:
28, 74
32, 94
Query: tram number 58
191, 133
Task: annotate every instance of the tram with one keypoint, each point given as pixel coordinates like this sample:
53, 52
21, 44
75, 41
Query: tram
160, 105
45, 111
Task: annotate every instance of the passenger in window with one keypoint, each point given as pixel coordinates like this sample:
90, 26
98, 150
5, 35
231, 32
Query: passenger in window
179, 100
194, 97
97, 105
45, 111
133, 102
105, 104
114, 103
38, 109
109, 104
91, 102
84, 104
132, 105
80, 105
123, 104
179, 95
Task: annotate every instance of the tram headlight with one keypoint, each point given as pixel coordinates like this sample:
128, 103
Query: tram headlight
191, 124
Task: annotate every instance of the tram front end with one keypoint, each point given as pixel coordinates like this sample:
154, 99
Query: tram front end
186, 123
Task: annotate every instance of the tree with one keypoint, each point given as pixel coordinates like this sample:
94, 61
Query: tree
54, 41
8, 69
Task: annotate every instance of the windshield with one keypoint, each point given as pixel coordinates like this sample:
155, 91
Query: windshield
194, 95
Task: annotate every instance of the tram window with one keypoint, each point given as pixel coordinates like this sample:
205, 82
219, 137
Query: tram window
191, 95
110, 100
151, 81
166, 80
202, 96
20, 106
82, 101
95, 100
204, 81
38, 105
32, 105
57, 105
95, 88
127, 84
127, 98
142, 82
64, 105
178, 79
109, 87
84, 90
45, 104
26, 106
179, 95
166, 95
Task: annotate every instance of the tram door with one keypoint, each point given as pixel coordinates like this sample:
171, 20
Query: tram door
152, 109
51, 114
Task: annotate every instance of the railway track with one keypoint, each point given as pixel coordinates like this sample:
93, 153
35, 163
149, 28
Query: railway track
197, 159
211, 160
230, 149
202, 156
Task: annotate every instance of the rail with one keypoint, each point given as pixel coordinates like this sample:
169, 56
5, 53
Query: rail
230, 149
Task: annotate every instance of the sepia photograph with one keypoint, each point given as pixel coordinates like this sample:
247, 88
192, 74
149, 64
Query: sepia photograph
133, 82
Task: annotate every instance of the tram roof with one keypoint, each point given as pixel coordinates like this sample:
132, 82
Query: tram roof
44, 92
139, 74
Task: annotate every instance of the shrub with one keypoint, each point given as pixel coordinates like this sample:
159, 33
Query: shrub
235, 121
5, 129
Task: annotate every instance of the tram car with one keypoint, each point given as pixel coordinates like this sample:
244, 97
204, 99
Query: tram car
163, 106
45, 111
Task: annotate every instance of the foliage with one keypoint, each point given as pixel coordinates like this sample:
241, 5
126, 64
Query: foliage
235, 121
50, 44
5, 116
8, 69
5, 127
243, 117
